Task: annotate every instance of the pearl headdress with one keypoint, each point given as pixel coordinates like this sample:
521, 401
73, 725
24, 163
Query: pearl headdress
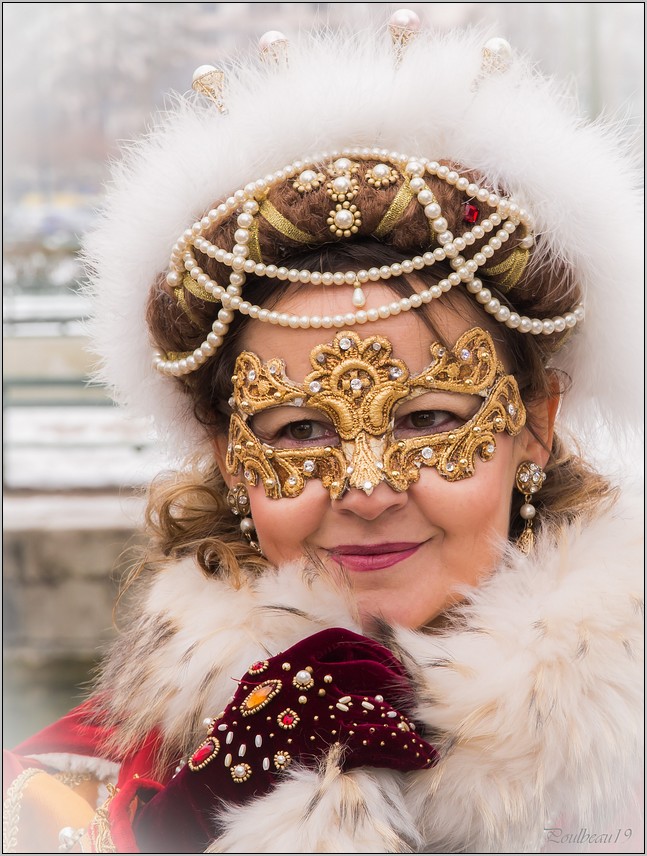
478, 110
344, 220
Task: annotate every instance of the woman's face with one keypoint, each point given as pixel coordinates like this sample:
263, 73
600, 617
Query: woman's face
406, 554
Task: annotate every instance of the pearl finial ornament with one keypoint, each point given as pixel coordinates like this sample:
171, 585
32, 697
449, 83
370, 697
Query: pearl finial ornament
273, 47
209, 81
203, 70
497, 56
404, 20
404, 25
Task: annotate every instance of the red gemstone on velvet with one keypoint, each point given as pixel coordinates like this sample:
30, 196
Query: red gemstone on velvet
287, 719
470, 213
204, 752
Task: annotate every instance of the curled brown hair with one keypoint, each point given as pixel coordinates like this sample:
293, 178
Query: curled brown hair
188, 512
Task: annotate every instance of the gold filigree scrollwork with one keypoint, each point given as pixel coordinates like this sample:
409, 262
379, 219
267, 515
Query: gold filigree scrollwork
259, 385
244, 449
357, 384
471, 366
295, 467
452, 453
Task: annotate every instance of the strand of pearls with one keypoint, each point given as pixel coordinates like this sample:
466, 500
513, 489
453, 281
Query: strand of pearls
505, 218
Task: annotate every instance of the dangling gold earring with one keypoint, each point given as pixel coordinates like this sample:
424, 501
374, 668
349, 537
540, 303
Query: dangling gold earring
238, 502
529, 479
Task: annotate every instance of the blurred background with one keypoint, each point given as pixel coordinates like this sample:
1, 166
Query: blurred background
79, 78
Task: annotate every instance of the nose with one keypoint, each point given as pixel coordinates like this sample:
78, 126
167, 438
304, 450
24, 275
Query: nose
382, 499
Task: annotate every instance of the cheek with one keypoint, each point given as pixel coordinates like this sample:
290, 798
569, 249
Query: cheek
283, 526
472, 509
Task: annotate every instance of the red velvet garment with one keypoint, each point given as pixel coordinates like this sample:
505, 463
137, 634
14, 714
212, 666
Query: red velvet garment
334, 687
77, 733
80, 733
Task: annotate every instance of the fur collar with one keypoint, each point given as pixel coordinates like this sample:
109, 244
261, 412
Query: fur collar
534, 686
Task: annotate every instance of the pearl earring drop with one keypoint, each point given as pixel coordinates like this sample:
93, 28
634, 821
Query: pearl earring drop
529, 480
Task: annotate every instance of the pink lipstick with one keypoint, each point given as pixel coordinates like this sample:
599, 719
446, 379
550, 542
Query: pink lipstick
372, 557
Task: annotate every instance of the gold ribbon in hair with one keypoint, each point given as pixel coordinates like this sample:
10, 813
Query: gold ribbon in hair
508, 272
253, 245
196, 290
282, 225
184, 306
178, 355
395, 211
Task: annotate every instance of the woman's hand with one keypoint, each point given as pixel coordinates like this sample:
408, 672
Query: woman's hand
333, 688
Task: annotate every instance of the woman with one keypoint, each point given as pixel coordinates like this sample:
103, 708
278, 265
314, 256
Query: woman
386, 606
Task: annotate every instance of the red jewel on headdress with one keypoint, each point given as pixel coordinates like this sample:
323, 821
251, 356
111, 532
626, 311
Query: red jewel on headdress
470, 213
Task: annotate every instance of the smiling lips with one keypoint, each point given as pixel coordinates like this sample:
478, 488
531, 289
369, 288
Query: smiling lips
373, 557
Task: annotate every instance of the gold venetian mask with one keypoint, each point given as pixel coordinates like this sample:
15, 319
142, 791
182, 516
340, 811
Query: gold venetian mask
355, 397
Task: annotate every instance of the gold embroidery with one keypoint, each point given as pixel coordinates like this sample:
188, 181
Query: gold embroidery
452, 453
73, 780
11, 809
98, 836
357, 384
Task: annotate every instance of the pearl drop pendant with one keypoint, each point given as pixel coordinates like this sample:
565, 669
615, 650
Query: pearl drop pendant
359, 298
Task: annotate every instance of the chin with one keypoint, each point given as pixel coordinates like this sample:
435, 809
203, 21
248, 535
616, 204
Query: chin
373, 614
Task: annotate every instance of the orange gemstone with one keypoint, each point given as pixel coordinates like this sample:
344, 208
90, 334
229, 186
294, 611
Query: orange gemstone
260, 696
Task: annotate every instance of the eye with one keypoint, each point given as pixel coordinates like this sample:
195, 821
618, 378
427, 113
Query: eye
423, 422
305, 430
276, 428
429, 418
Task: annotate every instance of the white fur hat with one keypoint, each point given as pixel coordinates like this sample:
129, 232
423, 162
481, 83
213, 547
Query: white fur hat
339, 91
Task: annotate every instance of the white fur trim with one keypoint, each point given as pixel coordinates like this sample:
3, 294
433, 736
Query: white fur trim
105, 771
542, 698
340, 91
536, 693
355, 812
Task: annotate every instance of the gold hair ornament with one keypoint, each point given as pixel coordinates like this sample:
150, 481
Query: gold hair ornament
250, 202
356, 384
